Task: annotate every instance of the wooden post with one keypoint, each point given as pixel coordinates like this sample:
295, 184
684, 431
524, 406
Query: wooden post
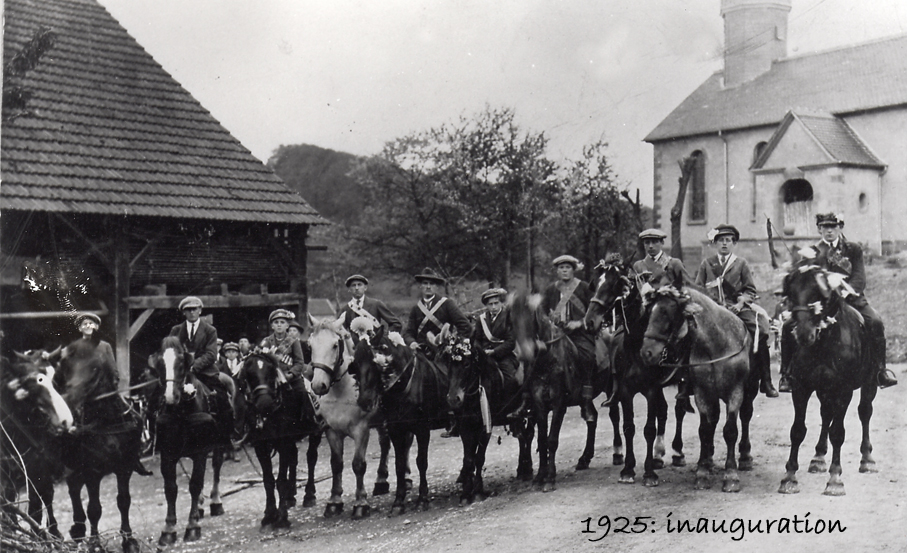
120, 301
687, 165
298, 285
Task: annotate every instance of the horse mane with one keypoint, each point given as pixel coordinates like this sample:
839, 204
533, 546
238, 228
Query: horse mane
171, 342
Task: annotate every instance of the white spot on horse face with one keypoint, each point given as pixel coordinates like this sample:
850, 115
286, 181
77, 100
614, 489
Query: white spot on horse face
64, 414
169, 358
382, 360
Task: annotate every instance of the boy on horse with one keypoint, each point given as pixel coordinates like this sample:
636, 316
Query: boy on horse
89, 324
494, 333
727, 279
285, 350
375, 311
837, 255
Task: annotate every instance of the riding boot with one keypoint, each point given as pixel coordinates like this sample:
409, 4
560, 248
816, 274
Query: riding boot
522, 410
683, 396
787, 351
885, 377
764, 360
452, 430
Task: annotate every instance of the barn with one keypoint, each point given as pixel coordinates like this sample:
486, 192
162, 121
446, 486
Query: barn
121, 195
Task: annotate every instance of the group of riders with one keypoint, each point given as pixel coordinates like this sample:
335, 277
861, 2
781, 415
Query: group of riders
724, 276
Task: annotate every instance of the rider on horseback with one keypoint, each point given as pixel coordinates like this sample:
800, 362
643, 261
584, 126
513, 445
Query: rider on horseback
284, 349
837, 255
727, 279
494, 334
375, 311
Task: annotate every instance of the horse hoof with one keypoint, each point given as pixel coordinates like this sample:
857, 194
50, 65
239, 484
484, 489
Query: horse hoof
95, 546
332, 509
730, 486
745, 465
465, 501
423, 505
308, 501
193, 534
582, 464
381, 488
658, 464
617, 459
130, 545
525, 476
834, 490
361, 511
291, 502
548, 487
789, 487
702, 484
167, 538
397, 510
817, 466
678, 461
650, 481
282, 522
77, 531
217, 509
868, 466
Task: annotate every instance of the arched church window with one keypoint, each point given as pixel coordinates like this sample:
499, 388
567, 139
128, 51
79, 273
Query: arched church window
797, 205
697, 189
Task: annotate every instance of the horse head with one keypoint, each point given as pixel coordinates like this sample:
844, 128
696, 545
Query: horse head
464, 377
332, 347
261, 376
528, 319
171, 365
380, 364
28, 391
811, 300
613, 284
672, 317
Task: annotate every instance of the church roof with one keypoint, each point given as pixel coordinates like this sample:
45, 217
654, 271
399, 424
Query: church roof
108, 131
846, 80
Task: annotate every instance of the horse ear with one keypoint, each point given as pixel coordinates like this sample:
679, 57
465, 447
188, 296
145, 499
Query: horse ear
678, 280
379, 333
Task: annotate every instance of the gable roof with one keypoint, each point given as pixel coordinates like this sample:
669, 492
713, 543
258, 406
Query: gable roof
840, 144
846, 80
111, 132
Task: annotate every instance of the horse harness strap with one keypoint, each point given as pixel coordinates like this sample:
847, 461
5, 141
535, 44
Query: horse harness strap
334, 371
430, 314
709, 362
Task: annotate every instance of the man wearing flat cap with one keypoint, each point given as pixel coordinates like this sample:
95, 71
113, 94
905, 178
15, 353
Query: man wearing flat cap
199, 339
89, 324
727, 279
432, 312
375, 311
494, 334
838, 255
657, 267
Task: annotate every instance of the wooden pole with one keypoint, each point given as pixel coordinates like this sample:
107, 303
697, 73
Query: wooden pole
120, 302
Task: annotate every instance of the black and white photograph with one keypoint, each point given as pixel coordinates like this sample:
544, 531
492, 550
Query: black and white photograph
406, 275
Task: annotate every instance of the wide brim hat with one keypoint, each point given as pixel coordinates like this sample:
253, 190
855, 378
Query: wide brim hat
189, 302
652, 234
429, 274
493, 293
724, 230
577, 266
281, 314
90, 316
831, 219
296, 324
231, 345
354, 278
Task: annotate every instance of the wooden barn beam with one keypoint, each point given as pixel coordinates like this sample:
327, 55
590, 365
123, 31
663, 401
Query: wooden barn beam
102, 256
139, 323
217, 302
122, 274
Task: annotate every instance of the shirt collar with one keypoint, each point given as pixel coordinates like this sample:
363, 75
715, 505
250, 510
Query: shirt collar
657, 257
833, 244
429, 301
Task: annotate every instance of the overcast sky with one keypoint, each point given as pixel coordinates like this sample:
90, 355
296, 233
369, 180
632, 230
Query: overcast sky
351, 75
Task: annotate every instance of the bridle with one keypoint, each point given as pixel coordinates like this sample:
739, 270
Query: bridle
336, 372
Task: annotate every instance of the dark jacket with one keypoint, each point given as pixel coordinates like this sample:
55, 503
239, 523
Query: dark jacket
667, 270
502, 342
847, 259
448, 312
735, 281
203, 347
377, 309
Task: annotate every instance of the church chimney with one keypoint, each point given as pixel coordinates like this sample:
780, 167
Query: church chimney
755, 34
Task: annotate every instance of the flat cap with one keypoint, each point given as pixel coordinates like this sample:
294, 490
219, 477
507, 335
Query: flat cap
831, 219
652, 234
724, 230
189, 302
231, 345
567, 259
90, 316
354, 278
493, 293
281, 314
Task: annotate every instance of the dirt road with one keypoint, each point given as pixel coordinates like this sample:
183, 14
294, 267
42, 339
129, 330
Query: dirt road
872, 516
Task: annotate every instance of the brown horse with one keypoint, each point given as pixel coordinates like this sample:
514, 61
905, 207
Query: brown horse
618, 291
32, 417
555, 382
719, 364
831, 358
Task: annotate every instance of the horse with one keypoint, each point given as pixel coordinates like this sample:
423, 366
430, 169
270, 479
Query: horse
685, 319
332, 346
480, 397
107, 438
278, 421
616, 291
185, 425
555, 382
412, 391
32, 417
832, 358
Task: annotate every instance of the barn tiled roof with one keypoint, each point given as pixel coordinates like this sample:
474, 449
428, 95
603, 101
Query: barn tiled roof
111, 132
841, 81
839, 141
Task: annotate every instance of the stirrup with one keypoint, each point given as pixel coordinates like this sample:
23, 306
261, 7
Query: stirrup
885, 378
784, 385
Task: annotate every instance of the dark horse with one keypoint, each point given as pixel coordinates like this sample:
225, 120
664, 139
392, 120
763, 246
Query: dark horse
619, 290
107, 437
480, 396
185, 427
832, 359
32, 417
413, 391
719, 369
555, 383
277, 422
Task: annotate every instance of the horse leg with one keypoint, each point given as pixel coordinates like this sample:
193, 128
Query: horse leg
746, 416
286, 479
423, 436
93, 487
817, 464
589, 450
628, 473
481, 448
557, 419
263, 454
335, 504
400, 439
541, 420
168, 472
524, 433
44, 495
867, 395
196, 487
292, 454
800, 399
731, 481
74, 483
469, 440
217, 461
835, 485
661, 421
650, 477
124, 501
708, 422
677, 457
382, 486
311, 458
617, 445
361, 507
